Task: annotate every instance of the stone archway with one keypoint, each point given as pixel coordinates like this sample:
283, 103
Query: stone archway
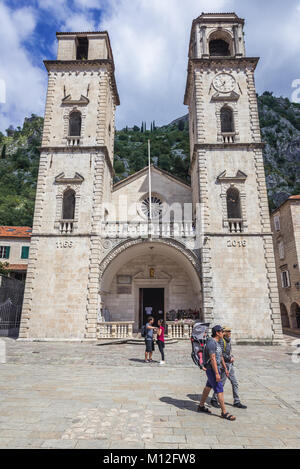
295, 316
149, 264
284, 316
180, 247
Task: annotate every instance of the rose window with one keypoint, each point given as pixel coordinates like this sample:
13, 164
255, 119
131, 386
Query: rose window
156, 207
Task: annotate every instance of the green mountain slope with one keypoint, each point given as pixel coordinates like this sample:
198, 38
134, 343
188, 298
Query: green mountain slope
19, 156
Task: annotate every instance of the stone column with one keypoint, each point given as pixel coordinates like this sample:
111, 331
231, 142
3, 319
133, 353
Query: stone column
236, 41
204, 42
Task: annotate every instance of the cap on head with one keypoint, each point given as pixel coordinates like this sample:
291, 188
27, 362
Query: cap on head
216, 329
227, 329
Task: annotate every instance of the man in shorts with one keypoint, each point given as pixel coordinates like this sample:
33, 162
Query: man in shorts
212, 361
149, 340
229, 360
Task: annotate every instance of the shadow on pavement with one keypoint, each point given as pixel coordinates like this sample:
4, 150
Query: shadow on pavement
140, 360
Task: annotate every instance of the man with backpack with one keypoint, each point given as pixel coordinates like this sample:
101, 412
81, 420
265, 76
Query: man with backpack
148, 334
212, 363
229, 361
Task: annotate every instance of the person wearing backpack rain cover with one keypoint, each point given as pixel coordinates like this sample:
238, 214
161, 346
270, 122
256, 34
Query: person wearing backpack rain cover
212, 365
229, 360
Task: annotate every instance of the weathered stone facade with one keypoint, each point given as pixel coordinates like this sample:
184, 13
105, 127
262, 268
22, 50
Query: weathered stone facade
200, 256
285, 223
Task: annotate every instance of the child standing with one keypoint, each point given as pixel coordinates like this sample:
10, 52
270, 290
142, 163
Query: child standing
161, 340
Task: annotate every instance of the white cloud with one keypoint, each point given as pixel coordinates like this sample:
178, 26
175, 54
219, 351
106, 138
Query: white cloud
150, 44
86, 4
79, 22
25, 83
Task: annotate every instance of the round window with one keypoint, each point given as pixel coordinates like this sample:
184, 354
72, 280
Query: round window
156, 207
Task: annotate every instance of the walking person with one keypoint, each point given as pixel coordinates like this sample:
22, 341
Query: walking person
212, 362
229, 361
149, 340
161, 340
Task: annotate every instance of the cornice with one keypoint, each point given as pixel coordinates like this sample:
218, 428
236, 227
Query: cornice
82, 149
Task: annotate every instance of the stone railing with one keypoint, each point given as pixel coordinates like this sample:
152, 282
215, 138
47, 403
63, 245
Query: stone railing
235, 225
73, 141
115, 330
228, 137
66, 226
140, 230
179, 330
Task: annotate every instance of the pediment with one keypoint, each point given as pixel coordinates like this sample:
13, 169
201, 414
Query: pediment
82, 101
61, 179
154, 171
239, 177
233, 96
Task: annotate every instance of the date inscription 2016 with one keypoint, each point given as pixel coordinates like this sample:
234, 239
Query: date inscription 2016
236, 244
64, 244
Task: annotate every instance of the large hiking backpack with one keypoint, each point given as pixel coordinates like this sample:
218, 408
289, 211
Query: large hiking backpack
198, 340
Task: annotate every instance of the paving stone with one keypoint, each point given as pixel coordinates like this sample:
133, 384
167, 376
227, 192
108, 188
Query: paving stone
59, 444
92, 401
174, 439
92, 444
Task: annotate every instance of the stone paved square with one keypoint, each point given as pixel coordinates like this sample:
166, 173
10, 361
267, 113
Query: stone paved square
89, 395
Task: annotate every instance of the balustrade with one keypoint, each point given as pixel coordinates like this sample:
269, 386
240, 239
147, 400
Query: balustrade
180, 330
235, 225
66, 226
115, 330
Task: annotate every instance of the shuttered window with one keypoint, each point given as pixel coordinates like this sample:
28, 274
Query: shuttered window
25, 252
285, 279
4, 252
277, 223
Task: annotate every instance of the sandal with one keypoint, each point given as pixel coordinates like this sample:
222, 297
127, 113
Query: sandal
228, 417
205, 410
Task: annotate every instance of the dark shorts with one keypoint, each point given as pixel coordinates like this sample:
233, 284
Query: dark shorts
212, 383
149, 345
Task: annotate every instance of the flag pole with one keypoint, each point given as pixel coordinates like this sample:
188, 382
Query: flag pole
150, 188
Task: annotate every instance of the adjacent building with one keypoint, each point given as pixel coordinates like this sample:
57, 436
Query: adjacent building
14, 250
286, 230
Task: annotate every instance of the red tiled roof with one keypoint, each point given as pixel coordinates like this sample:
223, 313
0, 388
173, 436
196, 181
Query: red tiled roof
15, 232
16, 267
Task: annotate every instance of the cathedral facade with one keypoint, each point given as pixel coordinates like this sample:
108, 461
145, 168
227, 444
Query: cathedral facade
113, 252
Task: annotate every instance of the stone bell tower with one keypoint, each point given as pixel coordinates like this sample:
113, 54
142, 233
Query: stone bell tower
228, 179
75, 180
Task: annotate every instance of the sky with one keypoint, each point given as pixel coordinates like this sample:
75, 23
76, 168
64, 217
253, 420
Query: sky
150, 41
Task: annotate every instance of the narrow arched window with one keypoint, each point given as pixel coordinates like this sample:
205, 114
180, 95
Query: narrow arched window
75, 124
233, 204
227, 123
219, 48
69, 205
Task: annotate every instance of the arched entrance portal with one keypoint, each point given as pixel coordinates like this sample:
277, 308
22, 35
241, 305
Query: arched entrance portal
150, 275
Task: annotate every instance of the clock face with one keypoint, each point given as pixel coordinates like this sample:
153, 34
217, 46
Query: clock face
224, 83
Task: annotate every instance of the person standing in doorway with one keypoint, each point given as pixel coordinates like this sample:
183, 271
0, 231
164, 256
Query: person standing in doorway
229, 360
212, 362
149, 340
161, 340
